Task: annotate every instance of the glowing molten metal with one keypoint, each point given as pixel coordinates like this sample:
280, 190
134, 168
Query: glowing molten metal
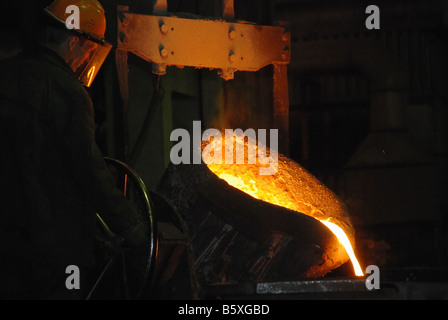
342, 237
290, 187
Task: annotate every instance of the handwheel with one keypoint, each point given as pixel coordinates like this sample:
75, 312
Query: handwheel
125, 273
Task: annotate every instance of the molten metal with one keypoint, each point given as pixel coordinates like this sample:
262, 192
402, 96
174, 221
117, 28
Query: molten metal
342, 237
291, 187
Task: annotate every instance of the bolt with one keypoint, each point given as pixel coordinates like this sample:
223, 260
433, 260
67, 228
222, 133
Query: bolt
163, 53
232, 34
164, 28
159, 69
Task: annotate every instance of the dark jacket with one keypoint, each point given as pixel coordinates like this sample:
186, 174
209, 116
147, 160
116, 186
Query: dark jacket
53, 177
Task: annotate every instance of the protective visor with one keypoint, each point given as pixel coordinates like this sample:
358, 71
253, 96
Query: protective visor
92, 62
96, 53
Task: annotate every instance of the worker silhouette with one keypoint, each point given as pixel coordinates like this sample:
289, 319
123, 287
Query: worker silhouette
53, 176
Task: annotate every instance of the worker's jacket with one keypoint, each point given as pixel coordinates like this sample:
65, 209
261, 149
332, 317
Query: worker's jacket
53, 177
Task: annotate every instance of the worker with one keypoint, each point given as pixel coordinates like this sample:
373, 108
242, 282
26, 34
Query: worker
53, 176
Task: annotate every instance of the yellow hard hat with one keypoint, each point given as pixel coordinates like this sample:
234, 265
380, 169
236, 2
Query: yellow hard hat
92, 25
92, 19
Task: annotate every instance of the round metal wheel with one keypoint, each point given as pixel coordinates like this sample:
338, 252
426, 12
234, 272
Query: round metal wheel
125, 273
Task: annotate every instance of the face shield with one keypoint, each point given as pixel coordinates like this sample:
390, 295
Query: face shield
93, 52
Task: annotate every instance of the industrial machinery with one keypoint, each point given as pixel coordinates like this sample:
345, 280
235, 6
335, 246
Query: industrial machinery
228, 46
278, 234
125, 273
231, 234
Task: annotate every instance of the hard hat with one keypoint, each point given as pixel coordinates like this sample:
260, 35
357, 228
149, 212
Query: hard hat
92, 19
92, 25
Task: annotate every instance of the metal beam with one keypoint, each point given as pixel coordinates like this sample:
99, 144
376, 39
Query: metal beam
214, 44
228, 10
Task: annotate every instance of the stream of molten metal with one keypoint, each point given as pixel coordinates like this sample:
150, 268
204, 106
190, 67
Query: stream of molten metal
250, 188
343, 239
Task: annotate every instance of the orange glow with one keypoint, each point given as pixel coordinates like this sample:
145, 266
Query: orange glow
276, 190
90, 76
342, 237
